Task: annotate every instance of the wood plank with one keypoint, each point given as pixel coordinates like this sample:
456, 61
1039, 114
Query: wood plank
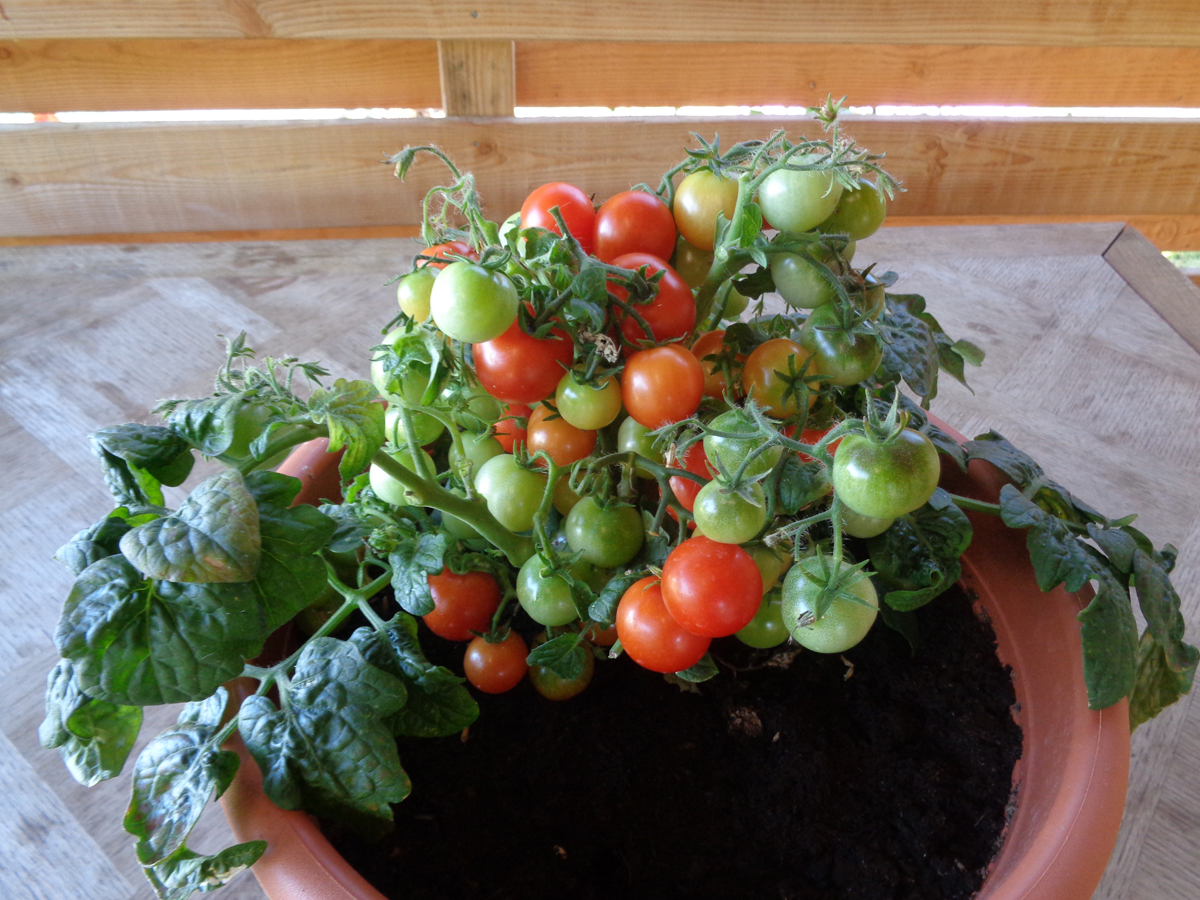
1159, 283
78, 179
55, 75
644, 73
477, 77
1166, 232
1125, 23
209, 237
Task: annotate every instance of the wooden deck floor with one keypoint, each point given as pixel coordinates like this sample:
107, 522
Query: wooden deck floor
1081, 372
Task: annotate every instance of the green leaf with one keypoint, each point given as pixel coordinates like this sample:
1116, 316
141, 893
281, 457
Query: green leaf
93, 736
290, 573
94, 543
604, 607
184, 873
1156, 685
437, 703
910, 353
1118, 546
918, 555
1057, 556
701, 671
1110, 640
801, 484
174, 778
137, 459
140, 642
208, 423
328, 750
1018, 466
1160, 605
904, 623
562, 655
354, 417
412, 561
213, 537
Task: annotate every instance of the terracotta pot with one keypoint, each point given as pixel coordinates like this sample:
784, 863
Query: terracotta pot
1071, 778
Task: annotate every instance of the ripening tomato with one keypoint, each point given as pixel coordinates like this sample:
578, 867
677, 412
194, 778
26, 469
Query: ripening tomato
694, 460
461, 603
709, 588
650, 636
762, 379
562, 441
516, 367
670, 314
885, 480
662, 385
585, 406
440, 254
509, 430
634, 222
712, 343
699, 199
574, 205
496, 668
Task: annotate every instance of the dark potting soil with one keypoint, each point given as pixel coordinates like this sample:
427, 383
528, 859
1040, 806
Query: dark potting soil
889, 779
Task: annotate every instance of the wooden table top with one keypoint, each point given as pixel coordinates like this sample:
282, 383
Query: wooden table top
1082, 372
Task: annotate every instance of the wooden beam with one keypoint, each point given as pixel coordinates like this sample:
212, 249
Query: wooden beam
710, 74
1119, 23
477, 77
66, 179
1162, 285
44, 76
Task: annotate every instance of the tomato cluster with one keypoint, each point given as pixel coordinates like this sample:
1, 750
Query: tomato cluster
609, 423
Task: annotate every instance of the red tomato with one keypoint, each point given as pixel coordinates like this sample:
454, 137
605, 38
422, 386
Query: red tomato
709, 588
439, 251
761, 378
574, 205
672, 312
562, 441
812, 436
709, 344
461, 604
634, 222
695, 461
602, 637
650, 636
508, 432
496, 668
519, 368
662, 385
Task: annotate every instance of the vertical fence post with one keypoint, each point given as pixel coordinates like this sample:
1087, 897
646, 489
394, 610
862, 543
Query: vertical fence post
478, 77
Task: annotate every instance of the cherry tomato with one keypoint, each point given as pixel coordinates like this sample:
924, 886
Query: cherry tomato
562, 441
699, 199
509, 431
859, 526
812, 437
387, 488
545, 596
478, 448
799, 282
729, 518
662, 385
441, 254
766, 629
601, 637
426, 429
847, 358
604, 537
884, 481
761, 378
858, 213
691, 263
412, 293
496, 668
472, 304
650, 636
513, 493
633, 435
771, 564
574, 205
844, 623
461, 603
554, 687
516, 367
731, 452
709, 588
670, 314
695, 460
585, 406
797, 200
712, 343
634, 222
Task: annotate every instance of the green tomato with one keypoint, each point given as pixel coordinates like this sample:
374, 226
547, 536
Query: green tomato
847, 358
885, 481
478, 448
565, 498
766, 629
728, 518
844, 623
691, 263
860, 526
604, 537
633, 435
513, 493
730, 452
798, 201
387, 488
735, 305
799, 282
427, 429
554, 687
871, 301
857, 213
474, 409
412, 293
771, 564
472, 304
416, 381
587, 407
544, 596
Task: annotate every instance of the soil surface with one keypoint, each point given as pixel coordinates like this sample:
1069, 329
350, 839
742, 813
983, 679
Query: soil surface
889, 779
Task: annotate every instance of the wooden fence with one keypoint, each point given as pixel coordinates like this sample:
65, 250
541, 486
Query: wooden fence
477, 60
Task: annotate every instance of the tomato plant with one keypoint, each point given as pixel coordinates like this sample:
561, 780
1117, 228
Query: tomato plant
884, 480
516, 367
844, 623
634, 222
765, 376
709, 588
699, 199
573, 204
604, 537
672, 311
472, 304
513, 493
651, 636
496, 668
797, 200
461, 603
662, 385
